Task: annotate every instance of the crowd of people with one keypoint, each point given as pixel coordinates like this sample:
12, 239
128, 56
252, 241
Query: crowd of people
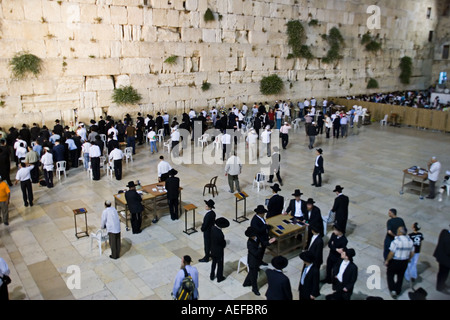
36, 147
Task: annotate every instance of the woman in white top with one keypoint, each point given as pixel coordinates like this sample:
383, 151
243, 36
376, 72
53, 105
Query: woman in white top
328, 125
85, 153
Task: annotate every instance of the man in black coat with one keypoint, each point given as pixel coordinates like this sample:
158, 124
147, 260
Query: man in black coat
279, 286
5, 162
101, 126
312, 133
318, 168
218, 245
344, 281
173, 191
309, 280
208, 223
134, 203
276, 202
337, 241
316, 246
297, 207
35, 131
336, 126
255, 251
442, 255
25, 133
262, 230
314, 219
275, 166
340, 208
58, 128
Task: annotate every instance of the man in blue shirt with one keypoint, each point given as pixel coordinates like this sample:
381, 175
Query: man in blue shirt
191, 271
72, 147
58, 151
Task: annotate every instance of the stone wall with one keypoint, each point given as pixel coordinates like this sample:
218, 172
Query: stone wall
441, 38
109, 43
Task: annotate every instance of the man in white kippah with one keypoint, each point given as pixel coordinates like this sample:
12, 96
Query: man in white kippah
111, 221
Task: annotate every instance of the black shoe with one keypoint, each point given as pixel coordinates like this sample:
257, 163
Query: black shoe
203, 260
212, 277
246, 285
31, 204
318, 186
281, 183
429, 197
26, 204
221, 279
6, 224
270, 181
313, 184
155, 220
264, 264
256, 292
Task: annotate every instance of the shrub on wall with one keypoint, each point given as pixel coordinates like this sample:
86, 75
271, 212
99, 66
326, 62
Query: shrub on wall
126, 95
206, 85
209, 15
371, 44
271, 85
372, 84
171, 60
24, 63
296, 39
406, 68
335, 39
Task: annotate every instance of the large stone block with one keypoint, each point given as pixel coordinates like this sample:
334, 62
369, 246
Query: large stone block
12, 10
119, 15
93, 67
99, 83
191, 5
257, 37
159, 17
168, 34
135, 65
135, 15
173, 18
33, 10
191, 34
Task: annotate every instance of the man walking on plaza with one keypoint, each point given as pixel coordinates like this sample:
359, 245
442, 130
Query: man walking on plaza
5, 195
233, 169
111, 221
392, 225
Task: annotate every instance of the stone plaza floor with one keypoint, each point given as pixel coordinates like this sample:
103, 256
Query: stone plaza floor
40, 244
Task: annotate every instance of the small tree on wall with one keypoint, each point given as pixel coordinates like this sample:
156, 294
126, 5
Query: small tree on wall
406, 68
372, 84
126, 95
335, 40
272, 84
25, 63
296, 40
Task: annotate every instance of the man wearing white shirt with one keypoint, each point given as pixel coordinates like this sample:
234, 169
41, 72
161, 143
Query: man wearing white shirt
226, 144
21, 152
47, 165
233, 170
252, 140
344, 125
313, 111
114, 131
324, 106
81, 132
265, 139
23, 175
345, 273
4, 275
94, 155
192, 114
116, 156
313, 102
111, 221
434, 167
244, 109
284, 132
163, 169
175, 137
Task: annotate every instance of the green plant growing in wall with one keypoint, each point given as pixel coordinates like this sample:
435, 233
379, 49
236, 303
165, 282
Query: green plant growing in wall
171, 60
206, 85
296, 40
24, 63
270, 85
313, 23
208, 16
2, 103
372, 84
371, 44
126, 95
406, 69
335, 40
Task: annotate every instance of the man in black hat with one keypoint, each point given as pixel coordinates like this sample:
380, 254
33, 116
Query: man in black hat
218, 245
318, 168
58, 129
312, 133
275, 166
316, 246
337, 241
314, 219
345, 273
279, 286
276, 202
309, 280
255, 251
208, 223
173, 191
442, 255
340, 208
297, 207
262, 230
134, 202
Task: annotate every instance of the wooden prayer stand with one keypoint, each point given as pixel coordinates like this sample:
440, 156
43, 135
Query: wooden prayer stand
188, 208
77, 212
241, 196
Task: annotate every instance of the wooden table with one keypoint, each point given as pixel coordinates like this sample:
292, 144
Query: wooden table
150, 199
287, 240
417, 182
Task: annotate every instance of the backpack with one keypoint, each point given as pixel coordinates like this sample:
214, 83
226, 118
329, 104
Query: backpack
186, 290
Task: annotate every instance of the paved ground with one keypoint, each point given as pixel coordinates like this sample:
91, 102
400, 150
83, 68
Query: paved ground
39, 244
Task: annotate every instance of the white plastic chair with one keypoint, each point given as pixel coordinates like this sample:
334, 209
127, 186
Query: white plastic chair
128, 154
100, 236
296, 124
243, 261
217, 142
160, 135
89, 170
103, 163
259, 180
103, 137
61, 167
384, 121
329, 220
203, 139
168, 145
147, 141
110, 169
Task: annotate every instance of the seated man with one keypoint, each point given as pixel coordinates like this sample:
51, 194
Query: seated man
445, 185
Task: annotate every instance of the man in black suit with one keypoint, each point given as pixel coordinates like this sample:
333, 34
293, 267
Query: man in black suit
101, 126
255, 251
35, 131
337, 241
336, 126
208, 223
312, 133
58, 129
5, 162
218, 245
297, 207
316, 247
309, 280
276, 202
340, 208
345, 273
25, 134
275, 166
314, 219
442, 255
134, 203
318, 168
262, 231
173, 191
279, 286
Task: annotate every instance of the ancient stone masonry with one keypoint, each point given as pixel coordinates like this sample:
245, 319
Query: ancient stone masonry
90, 47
